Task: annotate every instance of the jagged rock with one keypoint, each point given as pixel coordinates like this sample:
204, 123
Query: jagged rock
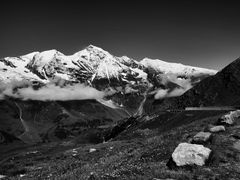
215, 129
190, 154
230, 118
202, 137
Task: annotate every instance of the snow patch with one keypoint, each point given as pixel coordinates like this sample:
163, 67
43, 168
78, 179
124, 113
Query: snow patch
108, 103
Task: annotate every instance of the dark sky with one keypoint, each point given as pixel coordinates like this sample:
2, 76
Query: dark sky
199, 33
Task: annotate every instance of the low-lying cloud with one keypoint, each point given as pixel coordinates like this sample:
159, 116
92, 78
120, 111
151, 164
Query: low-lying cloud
184, 85
50, 92
166, 93
170, 77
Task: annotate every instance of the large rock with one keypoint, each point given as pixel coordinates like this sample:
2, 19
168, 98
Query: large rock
230, 118
215, 129
202, 137
190, 154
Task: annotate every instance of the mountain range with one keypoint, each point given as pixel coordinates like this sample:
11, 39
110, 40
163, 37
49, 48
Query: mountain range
99, 69
48, 96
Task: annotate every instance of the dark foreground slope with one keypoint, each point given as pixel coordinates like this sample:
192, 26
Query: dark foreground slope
139, 152
222, 89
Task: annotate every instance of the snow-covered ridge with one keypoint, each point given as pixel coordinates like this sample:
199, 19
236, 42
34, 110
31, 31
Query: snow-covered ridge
92, 60
175, 68
87, 65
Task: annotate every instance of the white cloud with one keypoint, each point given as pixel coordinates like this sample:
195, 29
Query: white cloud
51, 92
166, 93
185, 84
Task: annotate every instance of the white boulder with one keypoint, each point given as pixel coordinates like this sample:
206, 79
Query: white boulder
190, 154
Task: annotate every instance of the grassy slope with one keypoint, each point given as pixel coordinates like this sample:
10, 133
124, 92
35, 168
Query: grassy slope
138, 153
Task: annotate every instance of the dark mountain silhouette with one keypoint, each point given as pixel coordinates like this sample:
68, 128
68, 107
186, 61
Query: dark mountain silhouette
221, 89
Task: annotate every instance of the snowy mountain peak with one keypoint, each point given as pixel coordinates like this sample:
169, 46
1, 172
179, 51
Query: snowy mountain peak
48, 55
95, 48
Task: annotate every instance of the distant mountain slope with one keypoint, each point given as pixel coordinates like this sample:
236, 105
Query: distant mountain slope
222, 89
54, 120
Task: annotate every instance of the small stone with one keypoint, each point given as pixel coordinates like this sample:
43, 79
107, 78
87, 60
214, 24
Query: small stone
92, 150
190, 154
217, 129
201, 137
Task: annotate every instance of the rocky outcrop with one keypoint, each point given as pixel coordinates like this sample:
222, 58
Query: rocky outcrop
229, 119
